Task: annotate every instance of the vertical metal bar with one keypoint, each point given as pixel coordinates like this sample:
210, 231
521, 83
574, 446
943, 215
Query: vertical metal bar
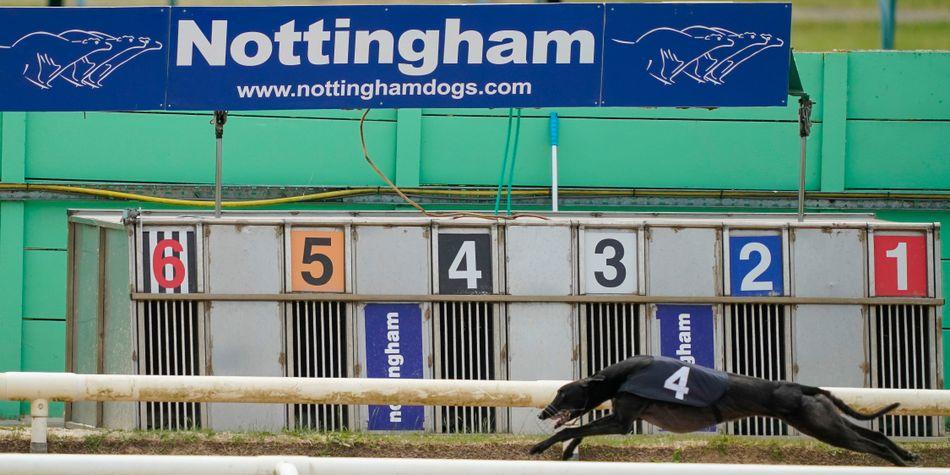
163, 369
176, 356
309, 340
192, 357
220, 118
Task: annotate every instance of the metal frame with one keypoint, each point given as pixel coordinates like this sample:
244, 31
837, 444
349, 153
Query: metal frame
929, 313
728, 346
140, 273
352, 353
503, 298
500, 317
359, 414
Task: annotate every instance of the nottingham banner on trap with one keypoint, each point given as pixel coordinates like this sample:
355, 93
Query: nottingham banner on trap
202, 58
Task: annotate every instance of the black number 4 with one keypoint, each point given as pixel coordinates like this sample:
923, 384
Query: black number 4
310, 255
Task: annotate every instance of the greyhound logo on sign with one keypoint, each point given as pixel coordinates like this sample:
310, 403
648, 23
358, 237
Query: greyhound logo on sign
705, 54
79, 57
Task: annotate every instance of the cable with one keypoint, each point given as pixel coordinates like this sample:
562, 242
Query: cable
417, 206
504, 163
514, 157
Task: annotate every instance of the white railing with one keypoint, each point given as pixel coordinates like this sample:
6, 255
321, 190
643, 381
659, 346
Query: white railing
27, 464
40, 388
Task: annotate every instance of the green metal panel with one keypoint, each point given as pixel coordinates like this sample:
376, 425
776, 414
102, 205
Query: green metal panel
44, 290
44, 349
45, 225
834, 109
180, 149
408, 136
898, 155
910, 85
12, 146
351, 114
620, 153
11, 294
945, 273
946, 358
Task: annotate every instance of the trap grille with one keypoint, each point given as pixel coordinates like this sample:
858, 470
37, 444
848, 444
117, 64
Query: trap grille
757, 345
610, 333
467, 343
318, 346
903, 352
171, 342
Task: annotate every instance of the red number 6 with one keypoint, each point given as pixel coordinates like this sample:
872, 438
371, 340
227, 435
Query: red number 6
160, 260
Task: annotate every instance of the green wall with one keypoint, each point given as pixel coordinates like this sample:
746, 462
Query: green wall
882, 122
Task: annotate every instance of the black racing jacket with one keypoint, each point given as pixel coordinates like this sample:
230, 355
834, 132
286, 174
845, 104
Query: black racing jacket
671, 380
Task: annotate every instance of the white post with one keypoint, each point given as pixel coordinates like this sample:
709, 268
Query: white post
39, 413
554, 126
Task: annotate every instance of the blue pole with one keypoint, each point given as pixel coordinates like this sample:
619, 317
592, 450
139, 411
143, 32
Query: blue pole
888, 23
552, 122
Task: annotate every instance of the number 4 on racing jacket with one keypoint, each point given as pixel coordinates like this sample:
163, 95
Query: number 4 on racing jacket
671, 380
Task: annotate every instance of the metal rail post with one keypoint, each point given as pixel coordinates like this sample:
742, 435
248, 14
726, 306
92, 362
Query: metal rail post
804, 130
220, 118
39, 414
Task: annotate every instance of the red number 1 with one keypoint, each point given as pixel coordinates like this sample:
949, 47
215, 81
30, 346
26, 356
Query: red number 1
160, 260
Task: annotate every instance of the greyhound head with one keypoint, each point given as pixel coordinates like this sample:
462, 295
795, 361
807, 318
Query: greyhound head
575, 399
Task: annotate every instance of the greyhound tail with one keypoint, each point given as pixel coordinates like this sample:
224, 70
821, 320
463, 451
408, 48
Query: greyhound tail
845, 408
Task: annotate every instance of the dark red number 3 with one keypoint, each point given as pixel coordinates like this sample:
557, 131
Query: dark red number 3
160, 260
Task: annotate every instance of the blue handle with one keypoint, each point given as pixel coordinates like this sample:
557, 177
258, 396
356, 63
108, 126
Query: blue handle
553, 123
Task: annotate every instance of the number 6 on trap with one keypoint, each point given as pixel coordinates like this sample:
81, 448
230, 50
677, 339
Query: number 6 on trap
169, 260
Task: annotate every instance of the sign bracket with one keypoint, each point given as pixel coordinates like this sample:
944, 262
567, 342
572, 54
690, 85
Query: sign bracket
220, 118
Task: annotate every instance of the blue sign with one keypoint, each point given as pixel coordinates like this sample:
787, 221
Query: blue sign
83, 58
687, 333
394, 350
239, 58
714, 54
755, 265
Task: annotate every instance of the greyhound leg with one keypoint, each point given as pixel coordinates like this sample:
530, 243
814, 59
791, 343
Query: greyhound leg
569, 449
610, 424
884, 440
818, 418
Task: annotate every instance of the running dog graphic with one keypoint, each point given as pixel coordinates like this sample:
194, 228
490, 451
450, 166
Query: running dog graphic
78, 57
704, 54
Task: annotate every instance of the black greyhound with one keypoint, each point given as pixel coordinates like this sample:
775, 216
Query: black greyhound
681, 397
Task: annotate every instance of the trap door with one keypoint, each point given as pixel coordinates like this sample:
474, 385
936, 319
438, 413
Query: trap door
683, 261
392, 260
171, 335
904, 339
540, 260
829, 348
319, 335
610, 263
757, 335
246, 338
469, 337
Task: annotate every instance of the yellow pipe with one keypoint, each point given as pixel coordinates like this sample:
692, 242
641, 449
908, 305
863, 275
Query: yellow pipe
466, 193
